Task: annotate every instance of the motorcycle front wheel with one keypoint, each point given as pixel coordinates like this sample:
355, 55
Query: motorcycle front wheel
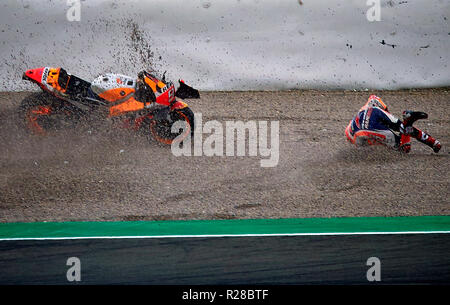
162, 129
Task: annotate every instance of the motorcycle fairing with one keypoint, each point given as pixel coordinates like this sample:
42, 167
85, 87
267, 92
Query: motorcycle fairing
47, 78
113, 87
164, 92
116, 90
129, 105
57, 81
178, 105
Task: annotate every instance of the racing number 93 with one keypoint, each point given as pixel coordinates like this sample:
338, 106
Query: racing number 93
171, 93
171, 88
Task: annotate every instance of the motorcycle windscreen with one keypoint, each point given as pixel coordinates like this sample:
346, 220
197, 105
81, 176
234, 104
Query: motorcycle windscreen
185, 91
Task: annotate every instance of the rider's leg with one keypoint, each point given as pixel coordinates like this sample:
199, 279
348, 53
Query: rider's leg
426, 139
405, 143
409, 117
385, 124
377, 137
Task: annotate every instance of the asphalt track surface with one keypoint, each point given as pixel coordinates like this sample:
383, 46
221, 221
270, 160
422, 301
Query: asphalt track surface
405, 259
100, 172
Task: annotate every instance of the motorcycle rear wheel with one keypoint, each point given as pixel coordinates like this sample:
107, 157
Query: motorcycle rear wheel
36, 110
42, 112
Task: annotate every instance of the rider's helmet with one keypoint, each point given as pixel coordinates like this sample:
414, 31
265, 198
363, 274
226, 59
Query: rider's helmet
375, 101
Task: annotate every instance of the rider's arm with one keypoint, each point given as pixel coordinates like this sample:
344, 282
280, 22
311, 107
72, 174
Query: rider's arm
391, 121
395, 126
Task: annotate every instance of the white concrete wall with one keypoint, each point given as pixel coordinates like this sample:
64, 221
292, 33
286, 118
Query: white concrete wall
233, 44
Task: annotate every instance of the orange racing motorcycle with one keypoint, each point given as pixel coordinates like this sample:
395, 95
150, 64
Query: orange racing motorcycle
147, 102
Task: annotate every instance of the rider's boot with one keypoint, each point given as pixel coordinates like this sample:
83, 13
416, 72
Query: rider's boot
426, 139
409, 117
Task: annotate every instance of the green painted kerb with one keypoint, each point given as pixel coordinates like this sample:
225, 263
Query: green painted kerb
224, 227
